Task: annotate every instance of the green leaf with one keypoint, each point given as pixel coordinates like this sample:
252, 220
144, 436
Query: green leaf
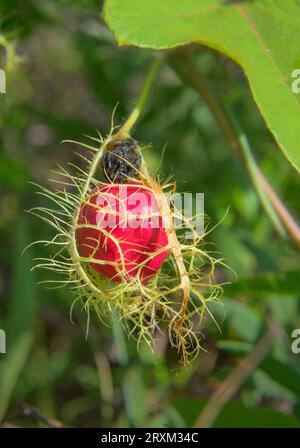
119, 338
267, 387
135, 396
285, 311
236, 415
285, 284
236, 253
235, 347
245, 321
282, 373
21, 312
254, 34
11, 368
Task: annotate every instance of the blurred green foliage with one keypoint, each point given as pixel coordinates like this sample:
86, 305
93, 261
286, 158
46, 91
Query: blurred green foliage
70, 78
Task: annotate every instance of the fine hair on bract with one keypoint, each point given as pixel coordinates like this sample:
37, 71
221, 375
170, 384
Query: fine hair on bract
175, 298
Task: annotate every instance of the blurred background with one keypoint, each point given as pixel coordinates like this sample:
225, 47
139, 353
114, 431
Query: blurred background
65, 75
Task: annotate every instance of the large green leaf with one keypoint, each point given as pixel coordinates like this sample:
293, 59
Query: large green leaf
259, 35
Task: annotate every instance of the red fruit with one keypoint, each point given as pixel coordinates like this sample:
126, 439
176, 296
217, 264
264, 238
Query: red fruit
127, 227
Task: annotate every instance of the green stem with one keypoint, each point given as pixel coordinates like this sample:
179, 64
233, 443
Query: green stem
129, 123
254, 174
124, 132
186, 68
135, 114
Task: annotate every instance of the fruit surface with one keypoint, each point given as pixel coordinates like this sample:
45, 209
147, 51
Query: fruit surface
121, 232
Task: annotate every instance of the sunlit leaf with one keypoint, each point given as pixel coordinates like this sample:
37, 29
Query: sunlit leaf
254, 34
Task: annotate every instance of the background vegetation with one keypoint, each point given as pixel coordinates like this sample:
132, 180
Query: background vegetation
66, 79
